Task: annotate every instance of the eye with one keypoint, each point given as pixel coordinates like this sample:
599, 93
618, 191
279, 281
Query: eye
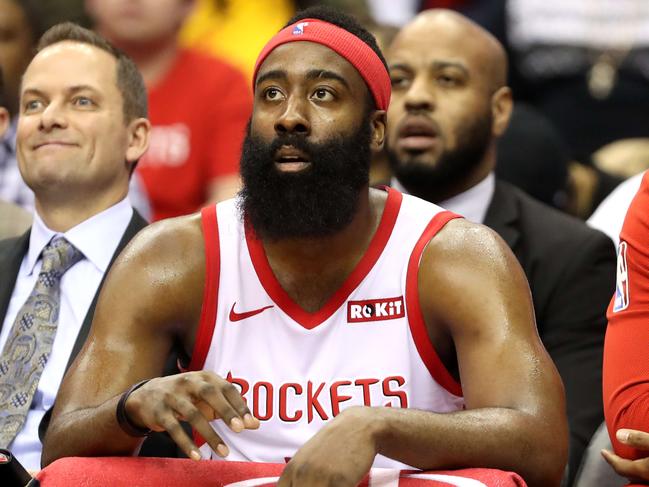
399, 82
448, 80
272, 94
32, 105
83, 101
323, 94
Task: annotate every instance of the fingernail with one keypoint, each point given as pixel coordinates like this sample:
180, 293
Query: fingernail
222, 450
622, 435
196, 455
249, 420
236, 424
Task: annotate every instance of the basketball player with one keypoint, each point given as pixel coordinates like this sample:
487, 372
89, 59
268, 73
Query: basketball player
312, 302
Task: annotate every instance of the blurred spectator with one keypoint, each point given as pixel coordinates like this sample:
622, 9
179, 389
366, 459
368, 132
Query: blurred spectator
198, 105
20, 27
531, 156
235, 29
13, 219
609, 215
450, 104
584, 64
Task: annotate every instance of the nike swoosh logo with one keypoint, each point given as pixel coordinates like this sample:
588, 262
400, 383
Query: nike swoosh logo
234, 316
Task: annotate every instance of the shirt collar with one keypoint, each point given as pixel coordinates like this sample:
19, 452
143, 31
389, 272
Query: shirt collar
474, 202
471, 204
97, 237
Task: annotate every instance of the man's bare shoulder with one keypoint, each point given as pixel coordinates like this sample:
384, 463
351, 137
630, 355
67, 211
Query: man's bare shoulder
176, 242
465, 267
470, 243
162, 272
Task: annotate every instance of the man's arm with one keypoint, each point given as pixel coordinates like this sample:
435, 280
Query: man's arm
472, 289
626, 374
152, 296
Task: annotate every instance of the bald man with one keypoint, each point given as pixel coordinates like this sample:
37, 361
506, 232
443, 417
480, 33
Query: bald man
450, 104
337, 301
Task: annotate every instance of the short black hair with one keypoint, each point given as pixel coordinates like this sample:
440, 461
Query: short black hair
129, 79
344, 21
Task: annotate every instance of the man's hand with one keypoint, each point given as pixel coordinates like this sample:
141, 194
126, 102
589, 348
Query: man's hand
340, 454
634, 470
195, 397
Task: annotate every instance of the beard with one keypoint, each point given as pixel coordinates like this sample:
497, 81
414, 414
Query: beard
431, 181
315, 202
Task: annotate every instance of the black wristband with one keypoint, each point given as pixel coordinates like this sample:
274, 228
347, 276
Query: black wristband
122, 418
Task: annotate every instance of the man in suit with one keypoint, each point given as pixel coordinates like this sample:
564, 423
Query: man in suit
450, 103
82, 128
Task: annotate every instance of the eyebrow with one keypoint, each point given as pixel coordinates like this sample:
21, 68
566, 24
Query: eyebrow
310, 75
274, 74
326, 74
70, 90
433, 65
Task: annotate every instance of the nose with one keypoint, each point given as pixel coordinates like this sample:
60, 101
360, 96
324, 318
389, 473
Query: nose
52, 117
293, 119
420, 95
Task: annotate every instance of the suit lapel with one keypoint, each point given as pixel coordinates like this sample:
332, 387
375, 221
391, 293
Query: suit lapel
502, 215
136, 224
11, 257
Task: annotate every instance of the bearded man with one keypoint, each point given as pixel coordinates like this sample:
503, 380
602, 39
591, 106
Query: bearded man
312, 302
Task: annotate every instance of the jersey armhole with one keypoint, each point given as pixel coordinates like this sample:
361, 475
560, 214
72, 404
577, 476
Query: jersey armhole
207, 319
416, 322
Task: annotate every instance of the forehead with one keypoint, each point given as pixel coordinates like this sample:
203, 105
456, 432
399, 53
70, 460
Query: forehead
298, 59
425, 41
71, 63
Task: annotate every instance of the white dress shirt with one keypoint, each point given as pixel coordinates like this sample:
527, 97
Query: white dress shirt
609, 215
472, 204
97, 238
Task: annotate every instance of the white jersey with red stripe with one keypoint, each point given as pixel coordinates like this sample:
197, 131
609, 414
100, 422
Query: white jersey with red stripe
367, 345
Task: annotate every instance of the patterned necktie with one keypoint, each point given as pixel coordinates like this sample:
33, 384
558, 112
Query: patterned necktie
30, 340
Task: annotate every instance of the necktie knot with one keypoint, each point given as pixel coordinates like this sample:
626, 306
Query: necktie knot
58, 256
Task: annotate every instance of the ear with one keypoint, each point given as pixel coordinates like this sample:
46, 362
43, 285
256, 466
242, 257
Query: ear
4, 120
138, 139
378, 121
501, 110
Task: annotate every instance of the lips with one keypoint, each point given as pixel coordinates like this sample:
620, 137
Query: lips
53, 143
417, 134
290, 159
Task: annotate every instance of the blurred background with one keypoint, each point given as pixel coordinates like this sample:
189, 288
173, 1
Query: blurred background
579, 71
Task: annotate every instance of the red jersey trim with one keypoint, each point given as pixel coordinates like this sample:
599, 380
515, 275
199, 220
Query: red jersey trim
415, 317
207, 320
283, 300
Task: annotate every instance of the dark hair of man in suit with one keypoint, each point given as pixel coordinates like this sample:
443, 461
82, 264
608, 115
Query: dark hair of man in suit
129, 79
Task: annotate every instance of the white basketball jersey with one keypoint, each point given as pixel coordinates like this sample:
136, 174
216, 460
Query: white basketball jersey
367, 345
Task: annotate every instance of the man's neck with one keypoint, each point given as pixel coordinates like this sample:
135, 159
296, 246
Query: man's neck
62, 215
477, 174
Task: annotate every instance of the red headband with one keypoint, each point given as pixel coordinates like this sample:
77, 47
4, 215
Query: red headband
359, 54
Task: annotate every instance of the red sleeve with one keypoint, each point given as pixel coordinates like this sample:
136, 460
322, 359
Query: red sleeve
626, 349
230, 116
